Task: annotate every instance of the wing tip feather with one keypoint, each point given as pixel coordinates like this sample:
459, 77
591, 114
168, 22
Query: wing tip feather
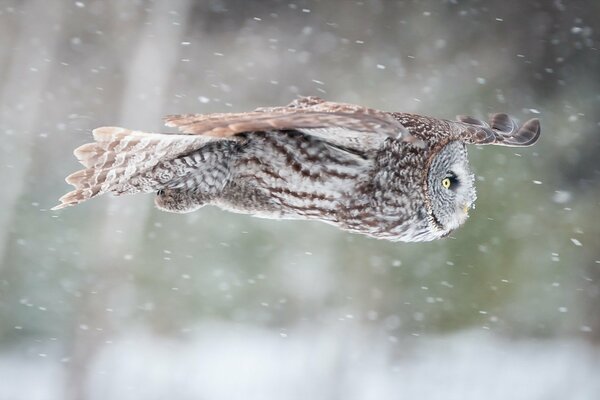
529, 133
501, 130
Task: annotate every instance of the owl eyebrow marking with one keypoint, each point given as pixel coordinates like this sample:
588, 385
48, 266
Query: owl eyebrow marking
363, 170
453, 177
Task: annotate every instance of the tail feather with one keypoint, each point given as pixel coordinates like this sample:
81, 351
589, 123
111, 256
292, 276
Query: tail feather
119, 159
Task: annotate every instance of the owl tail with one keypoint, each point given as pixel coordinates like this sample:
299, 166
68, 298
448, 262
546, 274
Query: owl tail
118, 160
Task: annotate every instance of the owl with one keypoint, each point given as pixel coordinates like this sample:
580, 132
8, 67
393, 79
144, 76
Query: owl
388, 175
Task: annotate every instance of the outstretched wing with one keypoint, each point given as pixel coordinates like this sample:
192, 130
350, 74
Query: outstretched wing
342, 124
502, 130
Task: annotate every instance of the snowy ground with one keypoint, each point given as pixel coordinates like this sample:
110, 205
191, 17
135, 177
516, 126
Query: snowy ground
226, 361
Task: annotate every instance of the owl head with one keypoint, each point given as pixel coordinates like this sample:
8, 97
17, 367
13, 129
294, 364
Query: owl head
449, 182
450, 188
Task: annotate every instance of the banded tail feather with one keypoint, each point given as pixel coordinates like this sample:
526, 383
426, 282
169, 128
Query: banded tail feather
119, 157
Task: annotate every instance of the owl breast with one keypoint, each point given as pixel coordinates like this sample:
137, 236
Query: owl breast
394, 204
294, 176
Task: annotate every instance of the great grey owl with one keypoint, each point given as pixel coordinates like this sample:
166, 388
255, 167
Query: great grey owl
387, 175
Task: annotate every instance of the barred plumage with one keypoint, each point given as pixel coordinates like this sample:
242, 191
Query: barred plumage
387, 175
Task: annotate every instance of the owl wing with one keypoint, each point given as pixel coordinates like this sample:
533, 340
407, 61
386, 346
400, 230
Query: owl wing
502, 130
341, 124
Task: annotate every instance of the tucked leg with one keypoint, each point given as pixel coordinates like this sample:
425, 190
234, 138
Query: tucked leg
178, 201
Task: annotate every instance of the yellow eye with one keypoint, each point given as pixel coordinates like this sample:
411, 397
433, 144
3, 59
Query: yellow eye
446, 183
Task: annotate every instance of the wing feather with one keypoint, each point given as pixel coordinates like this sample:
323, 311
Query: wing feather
502, 131
339, 123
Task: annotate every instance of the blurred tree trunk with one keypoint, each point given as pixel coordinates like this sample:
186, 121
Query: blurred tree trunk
148, 67
21, 101
592, 303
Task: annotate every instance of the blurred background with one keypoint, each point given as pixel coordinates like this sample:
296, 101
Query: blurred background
115, 300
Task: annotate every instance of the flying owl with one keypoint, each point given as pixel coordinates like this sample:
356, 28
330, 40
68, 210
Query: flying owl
388, 175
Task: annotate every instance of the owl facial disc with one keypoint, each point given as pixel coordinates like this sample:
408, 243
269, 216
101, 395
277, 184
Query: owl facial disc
450, 187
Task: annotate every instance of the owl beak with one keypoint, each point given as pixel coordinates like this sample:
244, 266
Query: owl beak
466, 209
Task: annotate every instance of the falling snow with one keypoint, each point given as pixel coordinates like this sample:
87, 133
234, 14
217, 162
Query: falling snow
220, 306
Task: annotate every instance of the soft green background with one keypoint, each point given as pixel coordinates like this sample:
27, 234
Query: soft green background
113, 299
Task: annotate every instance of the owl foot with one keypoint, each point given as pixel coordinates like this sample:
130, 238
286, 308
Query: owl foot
177, 201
